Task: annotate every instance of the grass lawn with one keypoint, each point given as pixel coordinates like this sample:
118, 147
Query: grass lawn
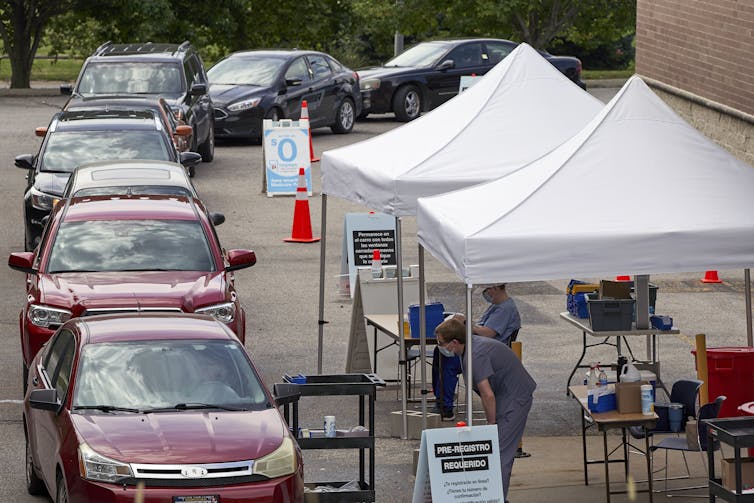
606, 74
47, 69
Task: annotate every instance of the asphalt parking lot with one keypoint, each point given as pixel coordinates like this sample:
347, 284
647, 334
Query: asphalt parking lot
280, 296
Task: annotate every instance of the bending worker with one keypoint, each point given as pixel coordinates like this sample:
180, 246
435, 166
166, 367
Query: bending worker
502, 382
500, 321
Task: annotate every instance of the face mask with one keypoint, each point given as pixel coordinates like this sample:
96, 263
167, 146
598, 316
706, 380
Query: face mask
447, 352
487, 297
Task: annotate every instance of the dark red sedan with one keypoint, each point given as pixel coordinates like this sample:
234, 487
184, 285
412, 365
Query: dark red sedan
119, 254
167, 405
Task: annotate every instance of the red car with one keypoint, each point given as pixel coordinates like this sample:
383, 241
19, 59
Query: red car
117, 254
166, 405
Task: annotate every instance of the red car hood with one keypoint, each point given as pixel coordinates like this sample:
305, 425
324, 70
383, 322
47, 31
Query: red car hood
103, 290
182, 437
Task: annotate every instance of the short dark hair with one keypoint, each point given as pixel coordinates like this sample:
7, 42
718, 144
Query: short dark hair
451, 329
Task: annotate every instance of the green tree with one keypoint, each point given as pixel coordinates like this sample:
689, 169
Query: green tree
22, 25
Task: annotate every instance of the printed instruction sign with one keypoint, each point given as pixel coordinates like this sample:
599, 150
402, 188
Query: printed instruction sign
459, 465
286, 149
362, 234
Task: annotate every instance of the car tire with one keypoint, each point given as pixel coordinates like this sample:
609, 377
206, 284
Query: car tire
344, 118
273, 114
207, 149
407, 103
34, 485
191, 171
61, 493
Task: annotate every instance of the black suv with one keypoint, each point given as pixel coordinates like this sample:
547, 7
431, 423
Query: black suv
82, 136
174, 72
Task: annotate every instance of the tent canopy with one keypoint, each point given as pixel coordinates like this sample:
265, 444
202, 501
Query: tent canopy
522, 109
637, 191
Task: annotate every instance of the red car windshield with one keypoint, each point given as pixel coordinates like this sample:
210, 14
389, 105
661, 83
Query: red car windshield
130, 245
166, 375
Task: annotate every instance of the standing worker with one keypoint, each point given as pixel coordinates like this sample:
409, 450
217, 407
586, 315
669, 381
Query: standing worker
500, 321
502, 382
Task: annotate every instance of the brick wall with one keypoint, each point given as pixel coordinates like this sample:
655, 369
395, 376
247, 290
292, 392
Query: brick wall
705, 48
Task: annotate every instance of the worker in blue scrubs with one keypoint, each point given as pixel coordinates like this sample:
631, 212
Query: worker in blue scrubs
500, 321
500, 379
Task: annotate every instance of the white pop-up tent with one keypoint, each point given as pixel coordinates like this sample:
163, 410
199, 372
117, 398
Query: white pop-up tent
637, 190
520, 110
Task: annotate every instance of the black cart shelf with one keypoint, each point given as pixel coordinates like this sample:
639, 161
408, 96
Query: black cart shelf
364, 386
737, 432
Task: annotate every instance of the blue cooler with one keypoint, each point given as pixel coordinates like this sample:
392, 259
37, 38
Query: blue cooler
433, 313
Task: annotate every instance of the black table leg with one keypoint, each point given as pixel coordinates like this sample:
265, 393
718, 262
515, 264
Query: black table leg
649, 464
607, 467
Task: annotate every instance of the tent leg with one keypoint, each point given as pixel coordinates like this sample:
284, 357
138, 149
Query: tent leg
423, 338
402, 342
321, 314
747, 284
469, 364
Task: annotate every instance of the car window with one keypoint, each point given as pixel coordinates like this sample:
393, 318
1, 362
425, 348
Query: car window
257, 71
130, 245
190, 74
298, 70
58, 361
130, 78
426, 54
67, 149
319, 66
496, 51
196, 66
129, 190
336, 67
162, 373
467, 55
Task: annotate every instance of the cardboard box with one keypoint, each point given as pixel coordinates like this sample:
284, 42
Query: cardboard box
615, 290
628, 396
728, 471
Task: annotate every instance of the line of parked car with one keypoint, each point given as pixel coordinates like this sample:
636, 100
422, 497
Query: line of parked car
135, 374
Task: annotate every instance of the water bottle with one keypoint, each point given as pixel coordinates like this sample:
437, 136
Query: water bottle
376, 264
586, 378
592, 377
603, 378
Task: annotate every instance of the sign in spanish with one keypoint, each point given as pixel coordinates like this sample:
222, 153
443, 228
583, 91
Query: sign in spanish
459, 465
286, 149
362, 234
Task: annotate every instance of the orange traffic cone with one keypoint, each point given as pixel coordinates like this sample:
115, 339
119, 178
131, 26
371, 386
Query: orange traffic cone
305, 115
623, 278
302, 222
710, 277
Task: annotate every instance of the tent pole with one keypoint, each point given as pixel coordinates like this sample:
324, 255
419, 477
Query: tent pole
422, 337
401, 340
469, 364
747, 285
320, 320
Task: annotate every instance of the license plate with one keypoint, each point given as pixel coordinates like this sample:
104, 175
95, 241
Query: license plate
212, 498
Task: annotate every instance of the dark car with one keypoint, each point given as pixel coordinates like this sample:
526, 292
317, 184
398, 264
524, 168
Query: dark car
117, 254
82, 136
173, 71
249, 86
182, 132
167, 406
429, 74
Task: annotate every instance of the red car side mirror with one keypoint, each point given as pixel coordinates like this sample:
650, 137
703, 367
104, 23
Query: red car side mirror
240, 259
23, 261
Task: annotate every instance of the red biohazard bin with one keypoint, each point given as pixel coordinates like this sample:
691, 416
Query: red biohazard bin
730, 373
747, 409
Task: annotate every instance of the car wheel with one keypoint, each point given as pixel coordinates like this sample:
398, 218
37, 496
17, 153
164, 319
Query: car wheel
407, 103
34, 485
61, 495
207, 149
191, 171
274, 115
344, 118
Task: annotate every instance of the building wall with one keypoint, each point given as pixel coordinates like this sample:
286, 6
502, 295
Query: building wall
704, 49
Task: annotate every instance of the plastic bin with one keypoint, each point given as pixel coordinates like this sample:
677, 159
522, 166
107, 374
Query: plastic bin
730, 373
610, 314
433, 317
